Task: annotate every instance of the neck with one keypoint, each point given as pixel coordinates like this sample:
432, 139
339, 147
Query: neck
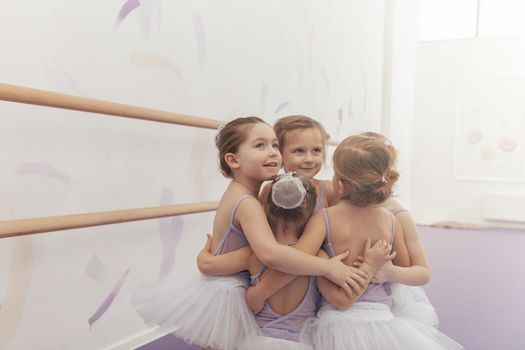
284, 234
345, 203
252, 187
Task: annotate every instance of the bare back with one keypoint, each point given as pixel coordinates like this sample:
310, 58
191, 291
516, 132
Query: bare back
351, 226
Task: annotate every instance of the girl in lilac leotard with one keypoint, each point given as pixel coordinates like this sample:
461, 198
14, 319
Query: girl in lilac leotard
364, 178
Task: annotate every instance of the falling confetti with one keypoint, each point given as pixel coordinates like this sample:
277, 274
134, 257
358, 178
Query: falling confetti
108, 301
42, 169
126, 9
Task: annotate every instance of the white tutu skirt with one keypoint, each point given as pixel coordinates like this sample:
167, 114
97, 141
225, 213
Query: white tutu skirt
269, 343
412, 302
208, 311
372, 326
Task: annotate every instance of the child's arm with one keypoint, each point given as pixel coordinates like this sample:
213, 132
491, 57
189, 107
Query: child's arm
273, 281
374, 257
287, 259
417, 273
224, 264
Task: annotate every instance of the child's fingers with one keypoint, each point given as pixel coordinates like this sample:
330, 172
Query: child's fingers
357, 263
368, 244
392, 256
347, 289
356, 287
342, 255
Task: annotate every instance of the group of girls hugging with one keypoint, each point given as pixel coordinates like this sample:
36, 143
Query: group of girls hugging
302, 263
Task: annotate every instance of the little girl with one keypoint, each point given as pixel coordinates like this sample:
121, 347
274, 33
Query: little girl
407, 300
288, 206
363, 179
211, 312
302, 142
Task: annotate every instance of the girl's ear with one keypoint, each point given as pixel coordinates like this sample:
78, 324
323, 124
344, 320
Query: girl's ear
231, 160
340, 187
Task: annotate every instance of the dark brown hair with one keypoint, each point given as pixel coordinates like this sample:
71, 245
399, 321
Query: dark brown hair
299, 215
364, 166
230, 136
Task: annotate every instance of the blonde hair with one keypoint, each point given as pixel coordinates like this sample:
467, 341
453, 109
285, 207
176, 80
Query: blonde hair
364, 166
230, 136
297, 122
299, 215
388, 143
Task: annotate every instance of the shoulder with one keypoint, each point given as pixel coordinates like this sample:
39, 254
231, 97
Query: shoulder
329, 193
265, 191
248, 206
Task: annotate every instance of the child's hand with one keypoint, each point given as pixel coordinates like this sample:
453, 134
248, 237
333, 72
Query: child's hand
378, 254
205, 257
352, 280
206, 250
384, 274
253, 301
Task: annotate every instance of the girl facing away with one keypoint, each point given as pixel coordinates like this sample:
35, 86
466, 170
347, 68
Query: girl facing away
363, 179
407, 300
288, 206
211, 312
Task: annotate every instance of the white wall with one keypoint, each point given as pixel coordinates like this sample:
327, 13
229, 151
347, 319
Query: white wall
219, 60
440, 190
398, 87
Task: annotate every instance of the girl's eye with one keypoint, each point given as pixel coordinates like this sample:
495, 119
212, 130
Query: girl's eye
275, 145
318, 150
299, 150
259, 145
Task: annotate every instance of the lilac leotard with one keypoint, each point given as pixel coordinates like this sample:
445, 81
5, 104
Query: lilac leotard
234, 238
287, 326
375, 292
320, 201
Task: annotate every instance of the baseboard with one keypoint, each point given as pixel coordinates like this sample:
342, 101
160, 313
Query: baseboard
137, 340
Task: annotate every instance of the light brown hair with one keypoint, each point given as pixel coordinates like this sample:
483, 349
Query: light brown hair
299, 215
230, 136
388, 143
364, 166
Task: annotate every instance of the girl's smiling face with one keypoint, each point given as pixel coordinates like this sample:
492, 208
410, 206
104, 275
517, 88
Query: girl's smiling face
258, 157
303, 151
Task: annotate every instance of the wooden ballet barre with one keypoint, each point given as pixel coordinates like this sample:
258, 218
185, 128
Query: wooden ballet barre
38, 97
14, 228
26, 95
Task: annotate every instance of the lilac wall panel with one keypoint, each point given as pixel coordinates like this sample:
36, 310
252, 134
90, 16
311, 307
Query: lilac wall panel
478, 285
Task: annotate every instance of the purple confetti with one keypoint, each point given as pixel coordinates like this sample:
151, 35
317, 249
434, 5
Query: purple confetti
149, 10
201, 39
282, 106
108, 301
170, 229
43, 169
326, 81
126, 9
96, 270
264, 95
